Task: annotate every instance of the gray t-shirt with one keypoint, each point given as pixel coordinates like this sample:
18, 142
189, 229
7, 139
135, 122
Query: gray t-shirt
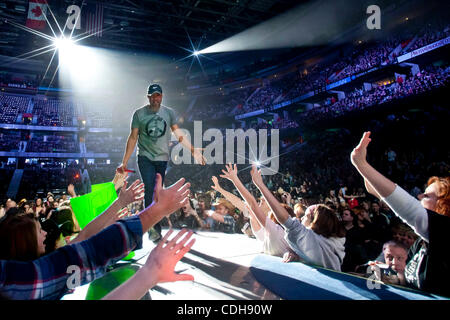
154, 131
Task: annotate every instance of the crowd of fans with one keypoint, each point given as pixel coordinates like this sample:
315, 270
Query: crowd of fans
49, 111
280, 123
104, 143
97, 119
12, 106
430, 35
316, 210
326, 206
363, 57
53, 142
360, 99
9, 141
219, 105
55, 112
268, 94
38, 178
8, 80
48, 142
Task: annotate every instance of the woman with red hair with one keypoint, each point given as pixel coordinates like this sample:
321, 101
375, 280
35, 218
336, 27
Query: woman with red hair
437, 195
429, 266
21, 238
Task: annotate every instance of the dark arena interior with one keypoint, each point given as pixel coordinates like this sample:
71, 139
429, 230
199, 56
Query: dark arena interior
238, 150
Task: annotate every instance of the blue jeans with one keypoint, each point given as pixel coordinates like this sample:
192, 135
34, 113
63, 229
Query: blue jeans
148, 170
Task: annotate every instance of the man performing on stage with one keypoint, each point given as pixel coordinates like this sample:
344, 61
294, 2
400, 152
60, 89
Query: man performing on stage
150, 130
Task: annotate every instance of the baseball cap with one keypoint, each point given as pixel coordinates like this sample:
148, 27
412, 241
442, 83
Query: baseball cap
154, 88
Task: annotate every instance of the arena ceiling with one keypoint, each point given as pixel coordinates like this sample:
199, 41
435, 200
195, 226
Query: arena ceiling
148, 25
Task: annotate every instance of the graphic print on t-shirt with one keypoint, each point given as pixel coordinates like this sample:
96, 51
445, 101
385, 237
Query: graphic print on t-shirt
156, 127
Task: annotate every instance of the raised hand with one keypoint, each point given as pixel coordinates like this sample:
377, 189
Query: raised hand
122, 168
163, 258
134, 193
159, 267
119, 179
71, 190
256, 175
216, 185
230, 173
172, 198
359, 153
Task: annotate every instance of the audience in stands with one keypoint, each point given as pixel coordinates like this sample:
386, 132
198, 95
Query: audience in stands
429, 217
363, 57
368, 224
300, 216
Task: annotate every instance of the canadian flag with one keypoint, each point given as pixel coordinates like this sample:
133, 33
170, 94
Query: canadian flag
37, 12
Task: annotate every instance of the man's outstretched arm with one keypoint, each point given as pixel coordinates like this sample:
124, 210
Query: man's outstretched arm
196, 152
131, 145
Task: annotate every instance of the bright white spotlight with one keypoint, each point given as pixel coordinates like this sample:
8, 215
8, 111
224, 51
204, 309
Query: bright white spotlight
81, 67
63, 43
196, 53
257, 163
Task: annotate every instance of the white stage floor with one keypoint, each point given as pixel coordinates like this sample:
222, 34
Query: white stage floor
219, 263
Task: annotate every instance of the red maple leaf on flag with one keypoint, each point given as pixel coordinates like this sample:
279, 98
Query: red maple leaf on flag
37, 11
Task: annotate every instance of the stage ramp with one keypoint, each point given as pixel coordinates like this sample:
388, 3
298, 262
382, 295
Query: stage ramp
219, 262
232, 267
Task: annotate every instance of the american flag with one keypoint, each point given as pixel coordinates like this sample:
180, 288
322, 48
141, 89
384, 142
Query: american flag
93, 17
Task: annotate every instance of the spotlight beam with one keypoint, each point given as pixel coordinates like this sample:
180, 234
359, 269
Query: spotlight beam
51, 81
49, 24
190, 40
35, 55
214, 60
192, 62
48, 67
76, 39
51, 12
308, 24
38, 33
63, 43
38, 54
21, 57
201, 66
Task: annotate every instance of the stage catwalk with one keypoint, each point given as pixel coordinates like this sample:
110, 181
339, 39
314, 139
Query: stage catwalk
219, 263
